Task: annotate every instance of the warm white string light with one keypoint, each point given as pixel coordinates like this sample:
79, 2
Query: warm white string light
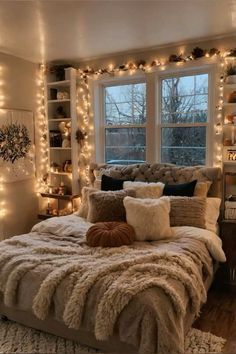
85, 114
132, 68
41, 124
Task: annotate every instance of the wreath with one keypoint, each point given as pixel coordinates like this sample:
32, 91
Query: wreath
14, 142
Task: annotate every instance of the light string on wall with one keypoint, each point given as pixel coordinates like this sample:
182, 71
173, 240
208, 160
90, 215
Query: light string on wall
219, 114
42, 158
132, 67
84, 100
84, 114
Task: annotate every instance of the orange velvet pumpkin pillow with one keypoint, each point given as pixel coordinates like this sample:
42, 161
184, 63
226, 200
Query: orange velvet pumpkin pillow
110, 234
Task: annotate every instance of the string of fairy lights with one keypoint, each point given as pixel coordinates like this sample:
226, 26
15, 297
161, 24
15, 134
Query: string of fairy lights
41, 126
85, 114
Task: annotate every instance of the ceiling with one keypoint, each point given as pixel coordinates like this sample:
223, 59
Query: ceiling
74, 30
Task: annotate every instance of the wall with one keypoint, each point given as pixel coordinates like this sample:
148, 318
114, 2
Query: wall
18, 91
222, 43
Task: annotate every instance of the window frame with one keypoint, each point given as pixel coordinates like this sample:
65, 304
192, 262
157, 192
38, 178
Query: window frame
209, 124
153, 108
99, 110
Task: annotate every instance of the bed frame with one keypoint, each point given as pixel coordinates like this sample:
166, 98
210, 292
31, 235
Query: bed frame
141, 172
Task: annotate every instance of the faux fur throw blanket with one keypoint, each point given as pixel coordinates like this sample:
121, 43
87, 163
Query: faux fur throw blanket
59, 245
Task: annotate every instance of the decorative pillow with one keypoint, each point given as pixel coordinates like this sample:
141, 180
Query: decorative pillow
110, 234
202, 188
108, 206
83, 210
149, 218
184, 189
212, 213
145, 190
111, 184
187, 211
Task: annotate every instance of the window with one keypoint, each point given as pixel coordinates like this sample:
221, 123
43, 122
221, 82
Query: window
125, 123
184, 119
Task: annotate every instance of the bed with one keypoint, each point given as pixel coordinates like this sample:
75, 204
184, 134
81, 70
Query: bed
138, 298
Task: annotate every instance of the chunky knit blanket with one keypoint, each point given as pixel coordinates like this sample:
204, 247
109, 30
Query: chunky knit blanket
56, 250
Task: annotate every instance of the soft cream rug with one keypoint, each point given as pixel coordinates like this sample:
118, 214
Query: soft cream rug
15, 338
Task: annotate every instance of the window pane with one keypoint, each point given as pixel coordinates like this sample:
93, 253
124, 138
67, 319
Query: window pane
184, 146
202, 83
125, 145
125, 104
184, 99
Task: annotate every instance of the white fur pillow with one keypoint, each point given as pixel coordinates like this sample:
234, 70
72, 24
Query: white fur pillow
149, 218
145, 190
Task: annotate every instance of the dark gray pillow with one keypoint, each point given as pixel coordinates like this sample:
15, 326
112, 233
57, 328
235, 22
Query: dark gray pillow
108, 206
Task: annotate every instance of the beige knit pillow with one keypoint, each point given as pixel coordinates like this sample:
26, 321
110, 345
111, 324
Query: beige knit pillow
83, 210
188, 211
108, 205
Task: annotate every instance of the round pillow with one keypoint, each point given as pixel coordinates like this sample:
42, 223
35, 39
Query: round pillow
110, 234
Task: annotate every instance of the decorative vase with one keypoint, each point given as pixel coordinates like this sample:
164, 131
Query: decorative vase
231, 79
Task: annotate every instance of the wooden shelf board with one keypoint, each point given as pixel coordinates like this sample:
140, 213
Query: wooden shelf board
58, 196
229, 125
230, 162
59, 101
61, 173
230, 86
44, 216
59, 119
58, 83
59, 148
229, 147
228, 104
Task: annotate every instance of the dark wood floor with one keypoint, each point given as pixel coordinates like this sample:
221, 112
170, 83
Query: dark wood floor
218, 316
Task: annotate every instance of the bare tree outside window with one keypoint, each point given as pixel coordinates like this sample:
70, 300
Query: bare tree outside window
184, 112
125, 118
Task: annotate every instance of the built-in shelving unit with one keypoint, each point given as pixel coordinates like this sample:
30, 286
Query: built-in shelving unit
63, 186
229, 138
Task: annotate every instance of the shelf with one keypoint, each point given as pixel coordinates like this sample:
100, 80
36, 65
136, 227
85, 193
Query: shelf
59, 101
227, 104
230, 86
59, 148
44, 216
230, 147
229, 162
64, 83
61, 173
229, 125
59, 120
58, 196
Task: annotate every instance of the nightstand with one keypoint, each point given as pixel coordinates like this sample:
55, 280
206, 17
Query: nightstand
228, 236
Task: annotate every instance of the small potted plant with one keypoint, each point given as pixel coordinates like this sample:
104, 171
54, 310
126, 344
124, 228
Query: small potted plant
231, 74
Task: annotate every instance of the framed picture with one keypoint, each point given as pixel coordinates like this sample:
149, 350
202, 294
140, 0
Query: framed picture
17, 145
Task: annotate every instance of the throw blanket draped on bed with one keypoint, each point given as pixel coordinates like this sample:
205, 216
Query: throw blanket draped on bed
58, 245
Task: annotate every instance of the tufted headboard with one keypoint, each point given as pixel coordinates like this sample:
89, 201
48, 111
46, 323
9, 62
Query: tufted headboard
166, 173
